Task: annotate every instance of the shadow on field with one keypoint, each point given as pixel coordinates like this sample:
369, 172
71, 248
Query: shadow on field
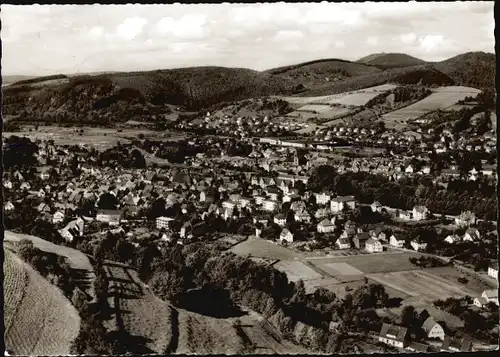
210, 302
82, 278
130, 343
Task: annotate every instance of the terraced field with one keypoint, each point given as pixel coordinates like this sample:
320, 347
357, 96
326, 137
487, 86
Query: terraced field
39, 320
441, 98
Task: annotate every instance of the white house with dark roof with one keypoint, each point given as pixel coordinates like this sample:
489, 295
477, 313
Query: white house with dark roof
338, 203
420, 213
493, 271
465, 219
396, 240
373, 246
325, 226
472, 235
286, 235
280, 219
394, 335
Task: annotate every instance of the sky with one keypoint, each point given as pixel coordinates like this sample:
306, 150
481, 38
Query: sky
50, 39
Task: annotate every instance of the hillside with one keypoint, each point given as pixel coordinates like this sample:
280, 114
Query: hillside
39, 320
390, 60
472, 69
6, 80
309, 75
111, 98
123, 96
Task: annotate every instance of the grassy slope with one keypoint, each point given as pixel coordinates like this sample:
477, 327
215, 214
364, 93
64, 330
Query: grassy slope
43, 322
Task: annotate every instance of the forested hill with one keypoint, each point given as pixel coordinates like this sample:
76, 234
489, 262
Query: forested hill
117, 97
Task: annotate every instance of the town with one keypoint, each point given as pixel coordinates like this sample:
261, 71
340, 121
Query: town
246, 179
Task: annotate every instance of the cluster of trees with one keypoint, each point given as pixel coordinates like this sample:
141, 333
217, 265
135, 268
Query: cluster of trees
404, 93
413, 321
175, 152
427, 262
122, 156
280, 106
19, 152
174, 270
51, 266
476, 324
402, 194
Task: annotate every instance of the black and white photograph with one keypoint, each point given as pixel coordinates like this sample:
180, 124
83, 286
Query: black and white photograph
249, 178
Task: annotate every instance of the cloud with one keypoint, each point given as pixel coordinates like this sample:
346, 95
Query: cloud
430, 42
131, 27
45, 39
286, 35
372, 40
408, 38
188, 26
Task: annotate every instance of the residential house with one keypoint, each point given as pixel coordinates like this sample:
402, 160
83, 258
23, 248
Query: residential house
112, 217
338, 203
376, 207
418, 245
43, 208
269, 205
418, 347
480, 302
373, 246
73, 230
433, 329
321, 212
394, 335
471, 235
325, 226
360, 240
186, 230
280, 220
491, 296
7, 184
323, 198
493, 271
452, 238
466, 218
405, 215
302, 216
163, 222
396, 240
57, 217
8, 207
451, 344
286, 235
343, 243
420, 213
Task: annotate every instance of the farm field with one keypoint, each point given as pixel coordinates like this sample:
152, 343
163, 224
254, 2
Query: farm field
100, 138
42, 321
296, 270
441, 98
368, 263
261, 248
142, 313
422, 284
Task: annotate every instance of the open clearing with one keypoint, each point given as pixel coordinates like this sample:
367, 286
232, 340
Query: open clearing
100, 138
296, 270
343, 269
423, 284
261, 248
441, 98
41, 321
451, 321
208, 335
142, 313
355, 98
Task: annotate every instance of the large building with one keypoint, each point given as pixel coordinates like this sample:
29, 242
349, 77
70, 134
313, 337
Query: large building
163, 222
